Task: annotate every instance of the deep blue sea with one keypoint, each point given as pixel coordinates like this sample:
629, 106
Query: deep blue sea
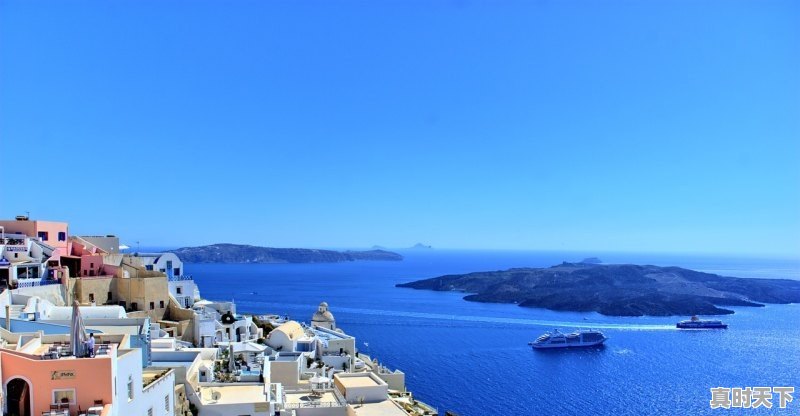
473, 358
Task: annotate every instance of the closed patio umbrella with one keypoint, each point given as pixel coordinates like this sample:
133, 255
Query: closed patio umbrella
77, 333
231, 362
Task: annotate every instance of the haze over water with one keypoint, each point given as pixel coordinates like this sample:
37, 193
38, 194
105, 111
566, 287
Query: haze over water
473, 358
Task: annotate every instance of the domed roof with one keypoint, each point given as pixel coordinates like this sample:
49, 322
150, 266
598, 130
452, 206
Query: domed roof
291, 330
322, 314
326, 316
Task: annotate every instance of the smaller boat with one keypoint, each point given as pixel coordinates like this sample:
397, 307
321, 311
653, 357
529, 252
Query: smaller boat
579, 339
697, 323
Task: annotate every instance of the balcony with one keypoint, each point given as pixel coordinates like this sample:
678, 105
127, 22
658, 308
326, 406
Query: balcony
180, 278
21, 283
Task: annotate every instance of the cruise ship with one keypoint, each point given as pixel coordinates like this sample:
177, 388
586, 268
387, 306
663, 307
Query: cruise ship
697, 323
578, 339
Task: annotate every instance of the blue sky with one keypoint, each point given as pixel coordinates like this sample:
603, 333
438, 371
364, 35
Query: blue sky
668, 126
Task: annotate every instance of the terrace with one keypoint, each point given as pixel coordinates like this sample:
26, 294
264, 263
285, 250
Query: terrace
152, 376
231, 393
316, 399
63, 350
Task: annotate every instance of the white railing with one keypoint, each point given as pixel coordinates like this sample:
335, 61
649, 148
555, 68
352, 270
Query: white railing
35, 283
180, 278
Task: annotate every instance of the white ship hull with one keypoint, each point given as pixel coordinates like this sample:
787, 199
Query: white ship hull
578, 339
576, 345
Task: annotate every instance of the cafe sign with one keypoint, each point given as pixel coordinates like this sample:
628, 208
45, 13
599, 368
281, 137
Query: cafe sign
62, 375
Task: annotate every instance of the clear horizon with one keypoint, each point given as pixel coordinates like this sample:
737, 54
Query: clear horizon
652, 127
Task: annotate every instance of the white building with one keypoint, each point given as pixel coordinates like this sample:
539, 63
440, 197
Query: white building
218, 322
23, 261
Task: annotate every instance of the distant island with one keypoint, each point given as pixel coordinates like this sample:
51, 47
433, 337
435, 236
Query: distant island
616, 290
420, 246
238, 253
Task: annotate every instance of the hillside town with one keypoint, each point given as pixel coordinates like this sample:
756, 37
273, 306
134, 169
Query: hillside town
90, 328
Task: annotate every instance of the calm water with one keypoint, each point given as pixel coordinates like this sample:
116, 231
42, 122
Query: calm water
473, 358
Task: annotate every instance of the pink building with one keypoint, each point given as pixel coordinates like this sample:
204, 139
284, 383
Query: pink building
33, 385
52, 233
41, 376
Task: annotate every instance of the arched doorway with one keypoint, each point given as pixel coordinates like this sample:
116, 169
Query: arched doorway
19, 397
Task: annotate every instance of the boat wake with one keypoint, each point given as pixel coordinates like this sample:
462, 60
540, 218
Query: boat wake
492, 319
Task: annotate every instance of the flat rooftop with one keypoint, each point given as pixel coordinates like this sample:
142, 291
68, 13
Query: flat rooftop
285, 358
361, 381
116, 330
233, 394
384, 408
151, 374
306, 399
329, 335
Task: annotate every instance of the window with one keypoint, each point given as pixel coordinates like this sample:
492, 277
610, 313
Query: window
134, 306
179, 289
169, 264
177, 271
166, 403
130, 388
64, 396
43, 235
62, 236
149, 267
109, 296
91, 297
161, 304
152, 305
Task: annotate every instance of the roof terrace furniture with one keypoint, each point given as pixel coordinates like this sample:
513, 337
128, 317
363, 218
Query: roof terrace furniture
95, 410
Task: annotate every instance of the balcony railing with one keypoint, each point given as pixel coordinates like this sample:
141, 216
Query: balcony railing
21, 283
312, 404
180, 278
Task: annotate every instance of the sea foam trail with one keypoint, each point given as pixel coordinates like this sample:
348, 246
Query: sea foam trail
486, 319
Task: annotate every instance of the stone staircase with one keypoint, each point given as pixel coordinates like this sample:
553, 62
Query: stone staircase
16, 311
